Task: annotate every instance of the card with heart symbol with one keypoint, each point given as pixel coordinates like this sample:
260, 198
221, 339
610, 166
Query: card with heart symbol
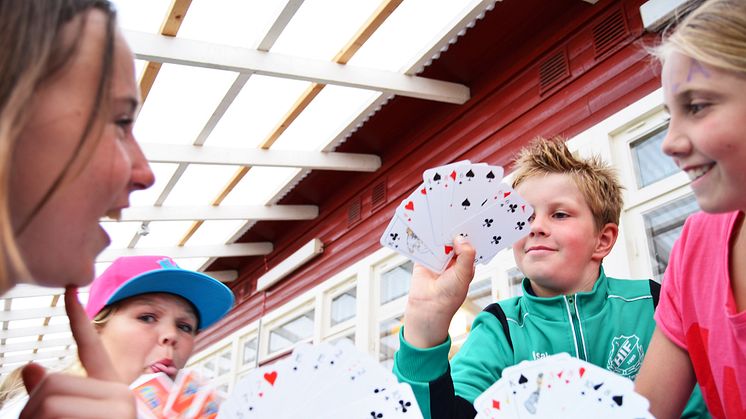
321, 381
460, 198
560, 386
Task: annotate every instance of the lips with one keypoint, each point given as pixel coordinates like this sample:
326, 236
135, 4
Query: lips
538, 248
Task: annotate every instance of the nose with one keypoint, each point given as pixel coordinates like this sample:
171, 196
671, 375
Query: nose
142, 176
169, 336
537, 226
675, 143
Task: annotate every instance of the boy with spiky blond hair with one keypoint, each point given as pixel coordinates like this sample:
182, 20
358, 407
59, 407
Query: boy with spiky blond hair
569, 304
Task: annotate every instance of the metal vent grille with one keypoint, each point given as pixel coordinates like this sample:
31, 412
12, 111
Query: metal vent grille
353, 211
553, 70
378, 195
609, 31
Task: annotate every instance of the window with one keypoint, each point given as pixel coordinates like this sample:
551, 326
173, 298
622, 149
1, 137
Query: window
663, 226
389, 340
291, 332
248, 352
395, 282
515, 282
480, 293
343, 306
650, 164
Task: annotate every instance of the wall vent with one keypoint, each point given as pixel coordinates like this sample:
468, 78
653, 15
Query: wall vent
378, 195
354, 211
553, 70
609, 31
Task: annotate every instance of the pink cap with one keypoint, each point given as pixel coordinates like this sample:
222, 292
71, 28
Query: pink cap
134, 275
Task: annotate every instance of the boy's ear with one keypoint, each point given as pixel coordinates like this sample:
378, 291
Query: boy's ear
605, 240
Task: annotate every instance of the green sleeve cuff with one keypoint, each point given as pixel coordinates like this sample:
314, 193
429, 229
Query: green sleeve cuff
421, 365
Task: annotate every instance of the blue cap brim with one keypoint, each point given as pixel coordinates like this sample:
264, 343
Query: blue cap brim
210, 297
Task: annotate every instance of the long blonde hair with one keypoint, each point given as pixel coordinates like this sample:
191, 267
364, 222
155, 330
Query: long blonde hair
32, 51
713, 33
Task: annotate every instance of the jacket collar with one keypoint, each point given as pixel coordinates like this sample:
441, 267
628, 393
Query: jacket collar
555, 308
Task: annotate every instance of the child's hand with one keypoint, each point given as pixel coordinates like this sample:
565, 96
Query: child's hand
100, 395
433, 299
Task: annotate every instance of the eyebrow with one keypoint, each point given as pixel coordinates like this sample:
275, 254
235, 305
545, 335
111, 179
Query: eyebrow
130, 101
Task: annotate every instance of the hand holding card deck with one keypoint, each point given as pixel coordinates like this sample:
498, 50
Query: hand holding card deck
325, 381
457, 199
560, 386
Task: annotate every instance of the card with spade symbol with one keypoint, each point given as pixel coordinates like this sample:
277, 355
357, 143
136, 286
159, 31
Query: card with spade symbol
321, 381
460, 198
560, 386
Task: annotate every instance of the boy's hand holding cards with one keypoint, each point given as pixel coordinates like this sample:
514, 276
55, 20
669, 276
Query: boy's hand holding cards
457, 199
560, 386
321, 381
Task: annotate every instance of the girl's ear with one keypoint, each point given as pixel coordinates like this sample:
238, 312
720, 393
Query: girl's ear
605, 240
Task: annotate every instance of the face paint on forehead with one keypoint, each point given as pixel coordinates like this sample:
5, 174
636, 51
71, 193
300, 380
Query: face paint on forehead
695, 67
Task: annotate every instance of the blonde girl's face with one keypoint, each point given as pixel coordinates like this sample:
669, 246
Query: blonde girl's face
707, 131
60, 241
150, 333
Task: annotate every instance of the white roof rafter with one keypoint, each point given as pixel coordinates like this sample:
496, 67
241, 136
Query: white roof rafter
226, 250
172, 50
222, 212
316, 160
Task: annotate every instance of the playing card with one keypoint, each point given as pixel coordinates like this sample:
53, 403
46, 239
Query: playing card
471, 192
151, 392
561, 386
414, 212
439, 183
321, 381
401, 238
502, 222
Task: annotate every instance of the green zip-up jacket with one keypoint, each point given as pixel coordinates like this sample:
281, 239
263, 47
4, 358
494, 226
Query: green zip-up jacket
609, 326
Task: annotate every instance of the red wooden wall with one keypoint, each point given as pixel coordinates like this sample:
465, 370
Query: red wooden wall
607, 69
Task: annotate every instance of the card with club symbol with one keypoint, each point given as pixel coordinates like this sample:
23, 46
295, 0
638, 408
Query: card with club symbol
460, 198
321, 381
560, 386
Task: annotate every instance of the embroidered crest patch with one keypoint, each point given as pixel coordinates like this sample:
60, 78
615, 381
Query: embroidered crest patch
625, 356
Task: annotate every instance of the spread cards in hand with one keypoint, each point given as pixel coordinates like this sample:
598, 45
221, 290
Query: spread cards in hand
560, 386
321, 381
457, 199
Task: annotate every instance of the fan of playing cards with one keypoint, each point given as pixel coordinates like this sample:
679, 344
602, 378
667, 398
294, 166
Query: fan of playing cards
457, 199
322, 381
560, 386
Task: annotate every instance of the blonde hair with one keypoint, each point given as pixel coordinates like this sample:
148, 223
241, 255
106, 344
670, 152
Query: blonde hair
713, 33
32, 52
596, 180
12, 386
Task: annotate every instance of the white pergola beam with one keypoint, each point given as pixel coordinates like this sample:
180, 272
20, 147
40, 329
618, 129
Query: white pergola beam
39, 355
222, 212
26, 346
316, 160
28, 290
31, 313
164, 49
176, 252
36, 330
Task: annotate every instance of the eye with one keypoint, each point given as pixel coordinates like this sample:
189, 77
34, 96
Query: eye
560, 215
531, 218
147, 318
696, 107
125, 123
187, 328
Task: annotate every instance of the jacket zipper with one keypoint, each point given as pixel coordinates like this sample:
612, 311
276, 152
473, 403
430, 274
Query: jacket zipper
575, 326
